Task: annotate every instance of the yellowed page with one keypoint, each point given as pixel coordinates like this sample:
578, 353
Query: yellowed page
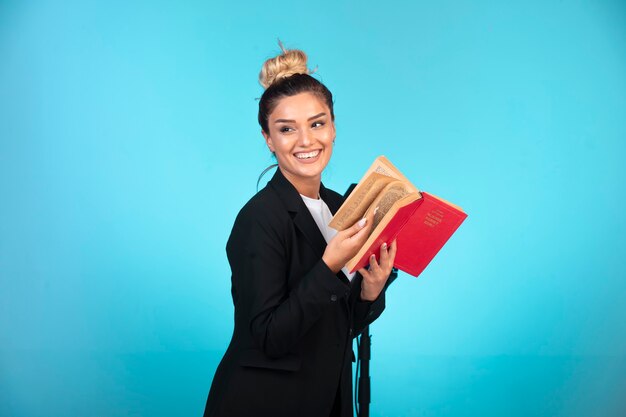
383, 166
377, 176
357, 203
393, 192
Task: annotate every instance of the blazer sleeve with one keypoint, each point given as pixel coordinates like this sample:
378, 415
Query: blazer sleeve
365, 312
258, 253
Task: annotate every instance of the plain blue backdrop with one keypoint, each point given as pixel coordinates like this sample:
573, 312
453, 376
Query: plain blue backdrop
129, 141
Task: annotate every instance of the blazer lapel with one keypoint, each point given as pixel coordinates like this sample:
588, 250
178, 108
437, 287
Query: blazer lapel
302, 216
300, 213
331, 201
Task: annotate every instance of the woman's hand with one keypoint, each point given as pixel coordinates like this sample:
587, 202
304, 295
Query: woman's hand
345, 245
375, 278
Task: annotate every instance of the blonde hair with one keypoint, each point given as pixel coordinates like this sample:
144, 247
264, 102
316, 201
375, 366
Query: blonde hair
290, 62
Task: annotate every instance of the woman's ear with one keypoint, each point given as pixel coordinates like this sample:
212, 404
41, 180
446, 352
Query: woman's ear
268, 141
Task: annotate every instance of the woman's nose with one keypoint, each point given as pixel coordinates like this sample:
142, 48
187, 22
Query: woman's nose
306, 138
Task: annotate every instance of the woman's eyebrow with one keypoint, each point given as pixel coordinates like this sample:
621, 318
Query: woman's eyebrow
293, 121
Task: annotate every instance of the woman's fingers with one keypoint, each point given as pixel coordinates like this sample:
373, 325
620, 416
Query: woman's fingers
365, 273
356, 228
360, 236
392, 251
387, 256
384, 255
374, 263
378, 273
363, 232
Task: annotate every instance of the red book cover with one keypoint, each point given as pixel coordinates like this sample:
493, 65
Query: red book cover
421, 228
425, 233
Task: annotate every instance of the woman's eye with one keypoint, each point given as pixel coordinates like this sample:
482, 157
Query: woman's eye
285, 129
316, 124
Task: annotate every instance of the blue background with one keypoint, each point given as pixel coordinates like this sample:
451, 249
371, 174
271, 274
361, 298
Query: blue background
129, 141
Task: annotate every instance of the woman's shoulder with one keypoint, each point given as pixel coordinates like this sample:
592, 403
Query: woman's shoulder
261, 219
263, 207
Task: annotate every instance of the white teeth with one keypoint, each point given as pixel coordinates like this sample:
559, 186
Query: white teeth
307, 155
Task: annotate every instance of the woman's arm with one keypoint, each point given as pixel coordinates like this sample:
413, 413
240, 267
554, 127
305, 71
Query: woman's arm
371, 300
365, 312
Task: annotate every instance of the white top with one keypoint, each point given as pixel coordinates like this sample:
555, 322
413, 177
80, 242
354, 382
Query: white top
322, 216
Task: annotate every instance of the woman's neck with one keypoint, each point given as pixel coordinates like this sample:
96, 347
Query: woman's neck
309, 187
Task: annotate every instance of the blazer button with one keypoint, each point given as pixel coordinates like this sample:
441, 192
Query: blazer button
350, 332
333, 297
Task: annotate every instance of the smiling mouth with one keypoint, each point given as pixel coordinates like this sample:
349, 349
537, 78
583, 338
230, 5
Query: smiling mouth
307, 155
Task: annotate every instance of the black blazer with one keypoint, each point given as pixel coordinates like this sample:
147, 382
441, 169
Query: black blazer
291, 349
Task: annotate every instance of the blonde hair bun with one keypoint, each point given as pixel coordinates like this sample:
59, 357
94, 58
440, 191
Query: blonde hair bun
290, 62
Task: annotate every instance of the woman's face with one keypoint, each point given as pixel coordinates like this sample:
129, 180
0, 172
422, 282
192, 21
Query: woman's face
301, 134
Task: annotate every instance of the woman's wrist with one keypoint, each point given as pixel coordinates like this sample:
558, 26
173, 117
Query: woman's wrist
369, 294
331, 264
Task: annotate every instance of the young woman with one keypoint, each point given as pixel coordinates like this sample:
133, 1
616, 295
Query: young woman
297, 308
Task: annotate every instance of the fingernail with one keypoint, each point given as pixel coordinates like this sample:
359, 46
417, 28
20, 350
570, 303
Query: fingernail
373, 257
375, 210
384, 246
362, 222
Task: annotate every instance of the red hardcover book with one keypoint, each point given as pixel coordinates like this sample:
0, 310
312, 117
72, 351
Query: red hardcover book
421, 222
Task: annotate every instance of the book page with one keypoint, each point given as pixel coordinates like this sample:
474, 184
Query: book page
357, 203
393, 192
377, 176
383, 166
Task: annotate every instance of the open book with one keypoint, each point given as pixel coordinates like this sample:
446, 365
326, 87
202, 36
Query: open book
421, 222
